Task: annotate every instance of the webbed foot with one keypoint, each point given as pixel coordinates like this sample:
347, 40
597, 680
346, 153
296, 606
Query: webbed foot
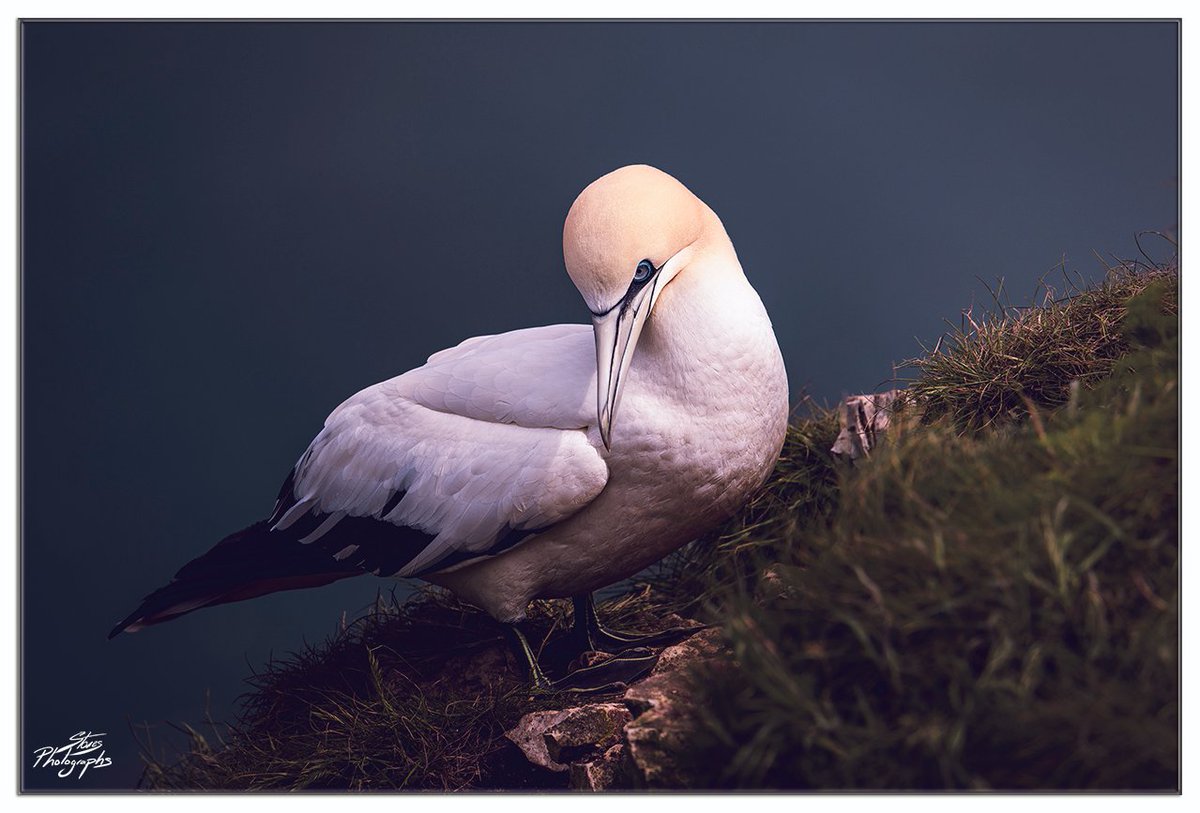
602, 639
632, 655
610, 674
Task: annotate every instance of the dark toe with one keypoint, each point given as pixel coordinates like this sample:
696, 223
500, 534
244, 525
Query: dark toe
610, 674
617, 641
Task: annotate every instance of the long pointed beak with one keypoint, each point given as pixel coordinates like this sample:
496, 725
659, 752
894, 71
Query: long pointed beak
617, 333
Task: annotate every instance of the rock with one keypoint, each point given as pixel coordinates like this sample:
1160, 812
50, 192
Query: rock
554, 739
527, 735
662, 701
626, 744
704, 644
612, 770
585, 731
864, 419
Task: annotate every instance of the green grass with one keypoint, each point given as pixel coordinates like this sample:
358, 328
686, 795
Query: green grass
1009, 361
989, 601
993, 602
414, 695
378, 706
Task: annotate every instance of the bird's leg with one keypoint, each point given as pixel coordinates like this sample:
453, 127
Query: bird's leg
613, 673
537, 678
633, 655
596, 636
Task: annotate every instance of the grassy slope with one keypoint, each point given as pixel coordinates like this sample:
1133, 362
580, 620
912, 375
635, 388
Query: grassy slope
990, 601
993, 603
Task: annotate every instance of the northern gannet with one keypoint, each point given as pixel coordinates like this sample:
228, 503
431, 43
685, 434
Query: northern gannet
500, 470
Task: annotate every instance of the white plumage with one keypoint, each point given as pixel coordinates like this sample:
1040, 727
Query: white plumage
545, 462
487, 437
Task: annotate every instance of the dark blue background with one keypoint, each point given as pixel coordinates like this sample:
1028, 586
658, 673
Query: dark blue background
229, 228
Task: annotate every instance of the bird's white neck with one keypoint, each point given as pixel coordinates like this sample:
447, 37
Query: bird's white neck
709, 332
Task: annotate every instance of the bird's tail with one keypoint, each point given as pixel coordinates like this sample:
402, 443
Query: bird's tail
252, 562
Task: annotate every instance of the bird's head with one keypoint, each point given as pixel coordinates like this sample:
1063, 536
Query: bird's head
627, 235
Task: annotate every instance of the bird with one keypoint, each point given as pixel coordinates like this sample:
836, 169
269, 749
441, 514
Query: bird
545, 462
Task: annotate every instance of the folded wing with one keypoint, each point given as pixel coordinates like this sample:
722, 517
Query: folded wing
484, 442
466, 456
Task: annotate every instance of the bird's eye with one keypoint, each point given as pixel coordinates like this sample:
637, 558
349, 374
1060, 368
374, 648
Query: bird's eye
643, 271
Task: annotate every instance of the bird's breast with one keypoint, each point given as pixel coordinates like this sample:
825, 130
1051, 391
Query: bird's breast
704, 416
700, 426
716, 441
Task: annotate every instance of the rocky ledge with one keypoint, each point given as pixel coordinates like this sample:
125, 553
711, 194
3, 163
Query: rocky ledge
628, 742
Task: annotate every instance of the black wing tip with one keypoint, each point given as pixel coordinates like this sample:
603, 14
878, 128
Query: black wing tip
124, 625
118, 629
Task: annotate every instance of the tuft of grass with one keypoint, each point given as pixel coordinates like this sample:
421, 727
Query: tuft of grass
414, 695
1012, 360
991, 610
411, 696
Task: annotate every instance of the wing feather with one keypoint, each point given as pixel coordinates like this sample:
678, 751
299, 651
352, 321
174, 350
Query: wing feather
488, 438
